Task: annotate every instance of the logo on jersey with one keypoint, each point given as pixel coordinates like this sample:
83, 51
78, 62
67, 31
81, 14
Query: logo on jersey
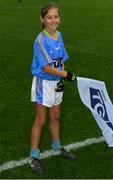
57, 48
97, 103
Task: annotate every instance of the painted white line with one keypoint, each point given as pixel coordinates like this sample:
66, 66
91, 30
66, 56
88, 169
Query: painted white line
46, 154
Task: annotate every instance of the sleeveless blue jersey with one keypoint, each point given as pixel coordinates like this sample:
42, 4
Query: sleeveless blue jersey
48, 51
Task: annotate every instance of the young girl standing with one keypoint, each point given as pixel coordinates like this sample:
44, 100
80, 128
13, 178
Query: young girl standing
48, 83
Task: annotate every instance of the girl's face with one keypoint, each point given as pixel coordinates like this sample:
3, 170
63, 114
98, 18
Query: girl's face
51, 20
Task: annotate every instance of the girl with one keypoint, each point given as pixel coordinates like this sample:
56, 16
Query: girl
48, 82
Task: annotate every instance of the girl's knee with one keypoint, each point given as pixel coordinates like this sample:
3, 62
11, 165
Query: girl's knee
39, 121
55, 119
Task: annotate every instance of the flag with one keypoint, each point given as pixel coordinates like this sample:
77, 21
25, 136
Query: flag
94, 95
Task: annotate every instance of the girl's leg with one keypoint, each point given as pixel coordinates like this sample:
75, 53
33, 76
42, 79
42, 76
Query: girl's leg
54, 126
35, 138
37, 126
55, 132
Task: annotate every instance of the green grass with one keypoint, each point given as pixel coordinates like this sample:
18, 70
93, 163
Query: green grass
87, 29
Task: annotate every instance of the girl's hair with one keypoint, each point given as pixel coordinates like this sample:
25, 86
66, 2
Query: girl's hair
45, 9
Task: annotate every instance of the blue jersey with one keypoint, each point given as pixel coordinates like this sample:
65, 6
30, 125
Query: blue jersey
48, 51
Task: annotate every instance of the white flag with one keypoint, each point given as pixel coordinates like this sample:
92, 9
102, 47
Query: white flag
94, 95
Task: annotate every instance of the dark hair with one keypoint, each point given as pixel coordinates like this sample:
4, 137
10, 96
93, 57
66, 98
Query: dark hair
45, 9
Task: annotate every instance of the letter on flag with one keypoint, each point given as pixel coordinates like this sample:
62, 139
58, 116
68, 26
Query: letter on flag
94, 95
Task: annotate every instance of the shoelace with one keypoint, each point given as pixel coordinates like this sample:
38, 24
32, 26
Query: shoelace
35, 163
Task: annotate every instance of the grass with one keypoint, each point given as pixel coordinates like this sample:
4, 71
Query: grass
87, 30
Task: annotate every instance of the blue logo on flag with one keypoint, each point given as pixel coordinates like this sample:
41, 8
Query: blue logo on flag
97, 103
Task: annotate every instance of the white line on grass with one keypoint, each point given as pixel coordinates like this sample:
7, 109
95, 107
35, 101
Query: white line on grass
46, 154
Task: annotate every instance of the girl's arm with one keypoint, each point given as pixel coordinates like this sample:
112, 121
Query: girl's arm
52, 70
